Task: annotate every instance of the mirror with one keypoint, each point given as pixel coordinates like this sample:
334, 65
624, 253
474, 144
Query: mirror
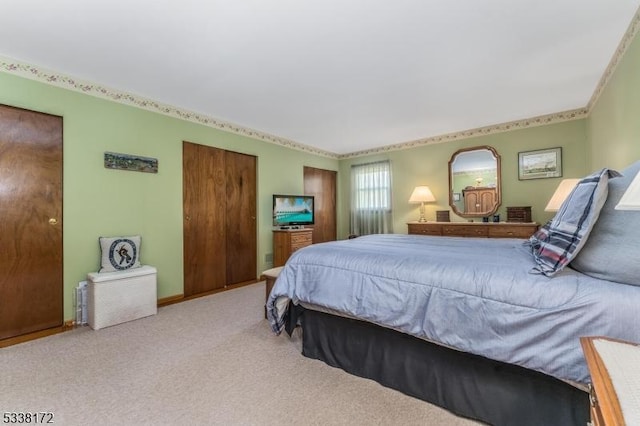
474, 181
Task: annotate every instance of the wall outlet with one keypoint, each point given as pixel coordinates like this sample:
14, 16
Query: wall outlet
268, 257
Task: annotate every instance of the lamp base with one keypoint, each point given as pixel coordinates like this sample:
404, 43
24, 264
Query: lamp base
422, 218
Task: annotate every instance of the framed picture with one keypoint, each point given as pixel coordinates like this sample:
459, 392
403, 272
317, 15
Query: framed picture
543, 163
136, 163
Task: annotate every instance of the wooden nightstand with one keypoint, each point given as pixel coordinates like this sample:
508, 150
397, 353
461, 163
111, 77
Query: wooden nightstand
603, 393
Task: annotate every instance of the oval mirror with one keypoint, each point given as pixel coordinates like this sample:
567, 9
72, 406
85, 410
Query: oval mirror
474, 181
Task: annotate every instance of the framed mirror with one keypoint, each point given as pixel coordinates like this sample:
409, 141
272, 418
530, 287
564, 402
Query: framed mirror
474, 181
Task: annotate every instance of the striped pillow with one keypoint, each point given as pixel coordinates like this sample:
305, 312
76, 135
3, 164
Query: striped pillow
560, 240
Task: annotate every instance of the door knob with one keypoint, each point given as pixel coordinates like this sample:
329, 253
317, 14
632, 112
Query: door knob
53, 221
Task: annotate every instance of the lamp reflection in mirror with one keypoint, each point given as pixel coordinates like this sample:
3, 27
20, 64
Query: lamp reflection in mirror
562, 192
631, 198
422, 194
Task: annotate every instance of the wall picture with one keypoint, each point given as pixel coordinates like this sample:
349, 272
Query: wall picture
542, 163
136, 163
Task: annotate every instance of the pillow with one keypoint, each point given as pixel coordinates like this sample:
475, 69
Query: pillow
119, 253
540, 235
558, 242
612, 250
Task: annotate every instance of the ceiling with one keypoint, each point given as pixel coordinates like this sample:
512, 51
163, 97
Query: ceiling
341, 76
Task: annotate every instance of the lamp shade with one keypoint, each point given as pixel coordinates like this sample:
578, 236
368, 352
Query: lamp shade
421, 194
562, 192
631, 198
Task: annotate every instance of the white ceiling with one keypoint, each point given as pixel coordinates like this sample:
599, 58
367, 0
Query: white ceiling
338, 75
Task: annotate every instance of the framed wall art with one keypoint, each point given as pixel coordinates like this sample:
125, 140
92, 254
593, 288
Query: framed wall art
539, 164
136, 163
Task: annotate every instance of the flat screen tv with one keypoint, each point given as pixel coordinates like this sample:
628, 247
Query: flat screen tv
293, 210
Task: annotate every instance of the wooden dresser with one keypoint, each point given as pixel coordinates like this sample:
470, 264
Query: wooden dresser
473, 229
286, 241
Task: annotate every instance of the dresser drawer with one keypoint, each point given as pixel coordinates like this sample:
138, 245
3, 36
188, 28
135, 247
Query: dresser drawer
301, 238
297, 246
506, 231
425, 229
464, 231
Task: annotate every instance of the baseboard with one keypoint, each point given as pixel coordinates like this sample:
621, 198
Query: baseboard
10, 341
170, 300
177, 298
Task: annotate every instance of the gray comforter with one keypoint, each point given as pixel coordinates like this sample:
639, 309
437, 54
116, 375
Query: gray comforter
474, 295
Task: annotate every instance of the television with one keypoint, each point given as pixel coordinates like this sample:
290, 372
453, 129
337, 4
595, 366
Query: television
293, 210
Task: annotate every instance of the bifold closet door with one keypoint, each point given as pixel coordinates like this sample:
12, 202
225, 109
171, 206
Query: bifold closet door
204, 230
30, 222
219, 213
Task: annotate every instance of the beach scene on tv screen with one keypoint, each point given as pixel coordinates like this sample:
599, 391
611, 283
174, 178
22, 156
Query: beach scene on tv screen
293, 210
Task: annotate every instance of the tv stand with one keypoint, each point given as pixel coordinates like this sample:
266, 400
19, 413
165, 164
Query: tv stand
287, 241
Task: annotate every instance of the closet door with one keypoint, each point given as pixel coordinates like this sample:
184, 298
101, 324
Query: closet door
30, 222
204, 211
322, 185
241, 217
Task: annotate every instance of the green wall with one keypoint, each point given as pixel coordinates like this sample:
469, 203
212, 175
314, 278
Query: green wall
428, 165
614, 123
104, 202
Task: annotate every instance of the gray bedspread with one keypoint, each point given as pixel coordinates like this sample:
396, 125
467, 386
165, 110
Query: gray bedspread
474, 295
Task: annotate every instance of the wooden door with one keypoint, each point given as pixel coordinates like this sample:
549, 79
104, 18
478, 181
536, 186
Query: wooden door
30, 222
204, 198
241, 217
322, 185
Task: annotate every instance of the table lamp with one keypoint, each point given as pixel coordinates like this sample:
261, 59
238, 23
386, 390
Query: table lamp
562, 192
422, 194
631, 198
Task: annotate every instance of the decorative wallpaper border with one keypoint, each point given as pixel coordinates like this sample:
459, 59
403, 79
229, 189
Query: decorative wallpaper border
49, 77
43, 75
542, 120
628, 37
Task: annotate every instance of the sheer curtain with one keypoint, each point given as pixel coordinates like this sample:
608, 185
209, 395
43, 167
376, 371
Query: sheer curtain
371, 198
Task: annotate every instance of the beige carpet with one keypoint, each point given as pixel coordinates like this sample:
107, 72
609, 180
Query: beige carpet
208, 361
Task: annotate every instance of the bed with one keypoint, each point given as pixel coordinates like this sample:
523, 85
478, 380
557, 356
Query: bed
477, 326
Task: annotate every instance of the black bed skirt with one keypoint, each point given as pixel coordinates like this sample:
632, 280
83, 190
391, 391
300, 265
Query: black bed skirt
467, 385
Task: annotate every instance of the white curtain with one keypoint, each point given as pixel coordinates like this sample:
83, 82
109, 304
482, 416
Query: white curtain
371, 198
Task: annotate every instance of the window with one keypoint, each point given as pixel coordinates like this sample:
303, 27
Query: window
371, 198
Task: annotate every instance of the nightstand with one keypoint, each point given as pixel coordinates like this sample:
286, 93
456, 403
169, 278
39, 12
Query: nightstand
613, 367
